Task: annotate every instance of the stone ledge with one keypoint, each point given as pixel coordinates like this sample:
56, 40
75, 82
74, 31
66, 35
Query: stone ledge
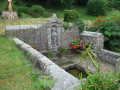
64, 80
108, 56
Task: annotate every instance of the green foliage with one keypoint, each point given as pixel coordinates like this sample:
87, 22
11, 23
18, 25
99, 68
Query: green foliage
34, 15
28, 54
50, 54
70, 15
63, 3
109, 80
95, 7
111, 34
21, 10
42, 83
45, 83
46, 15
81, 2
36, 10
80, 24
5, 7
110, 30
62, 51
0, 11
23, 15
102, 81
66, 25
88, 54
114, 4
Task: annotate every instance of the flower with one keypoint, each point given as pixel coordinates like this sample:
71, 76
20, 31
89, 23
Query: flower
89, 21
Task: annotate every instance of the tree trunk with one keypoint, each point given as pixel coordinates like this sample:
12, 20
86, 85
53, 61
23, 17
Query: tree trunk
49, 2
9, 15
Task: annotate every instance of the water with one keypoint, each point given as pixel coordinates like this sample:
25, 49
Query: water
77, 72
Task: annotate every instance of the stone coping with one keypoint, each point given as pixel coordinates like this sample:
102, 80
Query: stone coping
108, 56
64, 80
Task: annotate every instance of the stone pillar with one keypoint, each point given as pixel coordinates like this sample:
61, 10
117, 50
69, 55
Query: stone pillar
118, 64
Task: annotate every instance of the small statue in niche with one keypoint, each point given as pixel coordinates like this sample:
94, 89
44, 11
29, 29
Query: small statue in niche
53, 38
10, 6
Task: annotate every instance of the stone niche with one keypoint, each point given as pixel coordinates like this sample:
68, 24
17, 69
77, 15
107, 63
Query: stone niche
54, 30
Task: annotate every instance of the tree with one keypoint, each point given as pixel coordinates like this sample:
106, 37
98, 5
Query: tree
59, 2
115, 4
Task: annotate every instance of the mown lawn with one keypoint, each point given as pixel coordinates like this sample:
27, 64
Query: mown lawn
83, 13
14, 69
20, 21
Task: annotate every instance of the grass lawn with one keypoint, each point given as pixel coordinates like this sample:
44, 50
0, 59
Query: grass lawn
20, 21
83, 13
14, 69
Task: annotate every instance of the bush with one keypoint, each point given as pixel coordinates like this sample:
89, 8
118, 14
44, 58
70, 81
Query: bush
62, 51
95, 7
23, 15
70, 15
114, 4
50, 54
21, 10
46, 15
36, 10
80, 24
102, 81
111, 34
66, 25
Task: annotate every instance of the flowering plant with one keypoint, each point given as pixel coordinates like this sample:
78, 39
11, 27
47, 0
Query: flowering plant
32, 45
98, 22
78, 44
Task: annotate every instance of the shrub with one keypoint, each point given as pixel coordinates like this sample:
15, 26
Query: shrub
70, 15
111, 34
46, 15
66, 25
95, 7
21, 10
50, 53
114, 4
80, 24
110, 30
62, 51
36, 10
23, 15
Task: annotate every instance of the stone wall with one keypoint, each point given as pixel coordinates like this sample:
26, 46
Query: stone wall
64, 80
52, 35
97, 39
108, 56
32, 34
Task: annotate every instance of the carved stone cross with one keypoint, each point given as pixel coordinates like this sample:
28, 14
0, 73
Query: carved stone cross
10, 6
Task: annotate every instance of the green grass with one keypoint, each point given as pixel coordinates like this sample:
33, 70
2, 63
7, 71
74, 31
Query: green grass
83, 13
20, 21
14, 69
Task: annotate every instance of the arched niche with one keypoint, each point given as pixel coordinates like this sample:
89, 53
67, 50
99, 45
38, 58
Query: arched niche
54, 36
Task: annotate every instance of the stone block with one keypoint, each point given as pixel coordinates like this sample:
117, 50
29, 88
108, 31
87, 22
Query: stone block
108, 56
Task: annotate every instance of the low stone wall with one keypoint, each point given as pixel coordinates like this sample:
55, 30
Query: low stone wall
64, 80
108, 56
96, 38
